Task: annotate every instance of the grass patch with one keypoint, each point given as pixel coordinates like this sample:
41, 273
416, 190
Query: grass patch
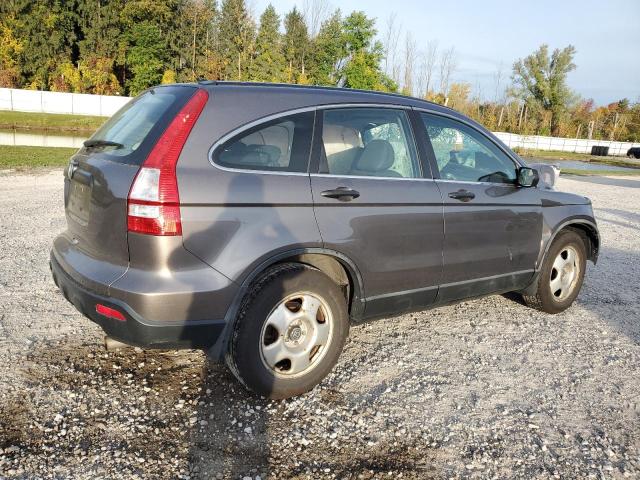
50, 122
33, 157
600, 173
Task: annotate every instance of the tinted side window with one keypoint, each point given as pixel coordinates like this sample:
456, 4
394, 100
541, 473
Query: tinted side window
279, 145
373, 142
466, 155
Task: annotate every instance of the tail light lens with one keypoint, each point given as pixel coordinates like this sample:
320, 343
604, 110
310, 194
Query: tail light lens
154, 203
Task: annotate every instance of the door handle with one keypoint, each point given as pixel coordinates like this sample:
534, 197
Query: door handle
344, 194
462, 195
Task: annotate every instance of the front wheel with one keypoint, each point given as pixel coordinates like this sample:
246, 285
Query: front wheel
561, 276
289, 332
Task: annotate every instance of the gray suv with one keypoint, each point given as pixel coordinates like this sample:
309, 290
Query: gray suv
256, 221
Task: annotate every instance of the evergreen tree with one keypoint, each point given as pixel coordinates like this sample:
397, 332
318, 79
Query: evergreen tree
235, 34
145, 45
46, 33
362, 69
269, 63
296, 45
327, 52
145, 57
191, 39
99, 27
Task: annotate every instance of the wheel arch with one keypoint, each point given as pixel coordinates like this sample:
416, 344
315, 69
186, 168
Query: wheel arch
586, 228
336, 265
590, 236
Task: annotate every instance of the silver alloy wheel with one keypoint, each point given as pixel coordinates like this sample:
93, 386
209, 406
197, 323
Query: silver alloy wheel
565, 273
296, 335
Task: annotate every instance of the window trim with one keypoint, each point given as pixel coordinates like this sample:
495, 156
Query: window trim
313, 163
432, 156
317, 150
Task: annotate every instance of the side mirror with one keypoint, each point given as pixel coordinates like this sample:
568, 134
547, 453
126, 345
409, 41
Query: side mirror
528, 177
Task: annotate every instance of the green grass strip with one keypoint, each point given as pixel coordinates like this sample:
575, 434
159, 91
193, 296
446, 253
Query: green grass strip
33, 157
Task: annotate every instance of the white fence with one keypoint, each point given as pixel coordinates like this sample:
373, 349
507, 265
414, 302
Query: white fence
578, 145
58, 102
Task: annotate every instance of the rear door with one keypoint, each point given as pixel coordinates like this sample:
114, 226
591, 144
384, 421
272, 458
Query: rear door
374, 204
97, 183
492, 226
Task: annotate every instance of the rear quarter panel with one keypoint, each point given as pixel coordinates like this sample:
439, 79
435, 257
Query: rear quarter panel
233, 219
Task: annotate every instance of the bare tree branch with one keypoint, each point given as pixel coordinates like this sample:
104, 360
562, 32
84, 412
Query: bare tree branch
448, 65
409, 62
315, 12
391, 39
428, 59
497, 81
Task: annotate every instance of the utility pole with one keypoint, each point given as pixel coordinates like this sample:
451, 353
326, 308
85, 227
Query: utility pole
592, 124
500, 119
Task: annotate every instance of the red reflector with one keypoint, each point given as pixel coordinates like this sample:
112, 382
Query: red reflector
109, 312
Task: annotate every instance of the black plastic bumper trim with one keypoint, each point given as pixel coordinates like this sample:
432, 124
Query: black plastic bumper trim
134, 331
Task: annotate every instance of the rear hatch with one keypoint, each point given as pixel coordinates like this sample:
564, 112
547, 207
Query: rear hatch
98, 180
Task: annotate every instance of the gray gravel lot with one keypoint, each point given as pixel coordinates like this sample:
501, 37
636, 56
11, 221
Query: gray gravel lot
483, 389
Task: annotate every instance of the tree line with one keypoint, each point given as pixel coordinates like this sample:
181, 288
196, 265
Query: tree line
125, 46
121, 47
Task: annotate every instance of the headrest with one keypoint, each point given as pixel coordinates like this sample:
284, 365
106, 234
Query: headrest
337, 138
377, 156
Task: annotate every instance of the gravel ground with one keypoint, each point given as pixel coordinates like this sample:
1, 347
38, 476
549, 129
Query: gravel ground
487, 388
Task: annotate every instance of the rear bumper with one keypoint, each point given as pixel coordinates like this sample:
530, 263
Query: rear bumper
135, 330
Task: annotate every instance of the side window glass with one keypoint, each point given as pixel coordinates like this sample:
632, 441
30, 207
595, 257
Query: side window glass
466, 155
279, 145
372, 142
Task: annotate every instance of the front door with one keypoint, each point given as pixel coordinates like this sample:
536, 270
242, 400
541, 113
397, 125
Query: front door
492, 225
374, 205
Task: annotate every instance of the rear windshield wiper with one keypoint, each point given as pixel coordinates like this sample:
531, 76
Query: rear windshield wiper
102, 143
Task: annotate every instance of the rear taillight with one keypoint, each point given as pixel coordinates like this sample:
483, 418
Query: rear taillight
154, 204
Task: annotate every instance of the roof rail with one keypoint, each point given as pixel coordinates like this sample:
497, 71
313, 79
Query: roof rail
312, 87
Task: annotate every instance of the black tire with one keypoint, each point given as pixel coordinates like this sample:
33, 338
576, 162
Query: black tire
545, 299
244, 356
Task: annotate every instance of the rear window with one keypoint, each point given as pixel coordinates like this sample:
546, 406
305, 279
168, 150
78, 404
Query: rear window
133, 130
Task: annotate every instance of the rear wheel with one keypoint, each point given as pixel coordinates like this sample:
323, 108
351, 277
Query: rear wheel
290, 331
561, 276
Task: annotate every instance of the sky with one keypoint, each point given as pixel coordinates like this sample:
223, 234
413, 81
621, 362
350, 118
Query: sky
490, 35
